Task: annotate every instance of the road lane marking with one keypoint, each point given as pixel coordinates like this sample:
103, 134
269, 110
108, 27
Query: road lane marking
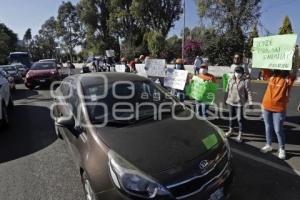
267, 162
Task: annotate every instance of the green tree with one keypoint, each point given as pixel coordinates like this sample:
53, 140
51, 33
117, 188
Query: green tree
156, 15
95, 14
286, 27
156, 42
172, 48
232, 19
69, 28
8, 42
253, 34
124, 25
27, 37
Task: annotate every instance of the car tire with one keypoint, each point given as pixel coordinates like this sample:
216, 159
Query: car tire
88, 191
4, 121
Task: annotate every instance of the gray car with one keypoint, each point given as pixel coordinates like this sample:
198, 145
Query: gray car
127, 143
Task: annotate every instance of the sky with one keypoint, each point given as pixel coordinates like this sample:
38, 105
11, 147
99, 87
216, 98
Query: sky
19, 15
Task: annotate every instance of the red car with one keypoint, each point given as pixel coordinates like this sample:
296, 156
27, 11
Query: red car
41, 74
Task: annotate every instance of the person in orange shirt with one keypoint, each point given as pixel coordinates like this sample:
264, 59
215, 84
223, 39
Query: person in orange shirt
274, 106
205, 76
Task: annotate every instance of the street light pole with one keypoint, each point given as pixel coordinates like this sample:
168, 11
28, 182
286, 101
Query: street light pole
183, 37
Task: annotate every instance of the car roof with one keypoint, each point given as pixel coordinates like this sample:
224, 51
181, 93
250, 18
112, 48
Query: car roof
90, 79
47, 60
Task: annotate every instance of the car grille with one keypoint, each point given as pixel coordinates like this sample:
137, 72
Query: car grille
196, 184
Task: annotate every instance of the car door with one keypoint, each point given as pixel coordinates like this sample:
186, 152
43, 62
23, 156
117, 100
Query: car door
76, 137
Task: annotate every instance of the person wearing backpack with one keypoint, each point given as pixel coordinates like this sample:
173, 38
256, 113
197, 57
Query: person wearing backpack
239, 92
274, 107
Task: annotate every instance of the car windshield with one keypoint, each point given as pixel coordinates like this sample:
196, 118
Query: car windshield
126, 102
43, 65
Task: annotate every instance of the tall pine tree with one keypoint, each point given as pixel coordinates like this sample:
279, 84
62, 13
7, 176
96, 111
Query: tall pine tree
286, 27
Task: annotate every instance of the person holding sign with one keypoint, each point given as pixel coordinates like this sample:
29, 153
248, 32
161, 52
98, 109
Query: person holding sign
274, 106
205, 76
239, 92
179, 65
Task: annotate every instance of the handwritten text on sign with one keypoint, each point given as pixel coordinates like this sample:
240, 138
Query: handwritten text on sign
155, 67
274, 52
175, 79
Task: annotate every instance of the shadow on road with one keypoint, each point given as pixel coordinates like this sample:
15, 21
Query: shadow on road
23, 94
31, 129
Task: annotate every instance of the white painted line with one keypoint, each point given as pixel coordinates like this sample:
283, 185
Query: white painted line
267, 162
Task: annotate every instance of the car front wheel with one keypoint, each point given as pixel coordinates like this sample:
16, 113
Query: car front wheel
88, 191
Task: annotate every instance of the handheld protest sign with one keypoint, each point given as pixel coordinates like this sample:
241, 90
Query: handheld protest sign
175, 79
274, 52
155, 67
120, 68
140, 68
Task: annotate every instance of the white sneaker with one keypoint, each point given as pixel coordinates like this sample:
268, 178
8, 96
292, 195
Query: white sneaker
267, 148
229, 132
239, 138
281, 154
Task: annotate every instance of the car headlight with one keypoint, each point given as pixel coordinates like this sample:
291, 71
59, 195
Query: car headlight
125, 176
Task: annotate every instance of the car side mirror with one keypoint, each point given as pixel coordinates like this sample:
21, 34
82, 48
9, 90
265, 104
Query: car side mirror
66, 122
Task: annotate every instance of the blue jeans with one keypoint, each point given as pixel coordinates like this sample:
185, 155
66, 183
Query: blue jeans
274, 123
202, 109
179, 94
236, 113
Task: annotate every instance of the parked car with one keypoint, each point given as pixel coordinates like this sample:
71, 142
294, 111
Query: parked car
13, 72
41, 74
10, 79
6, 101
21, 69
138, 157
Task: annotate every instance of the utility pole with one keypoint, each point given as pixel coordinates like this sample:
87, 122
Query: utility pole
183, 37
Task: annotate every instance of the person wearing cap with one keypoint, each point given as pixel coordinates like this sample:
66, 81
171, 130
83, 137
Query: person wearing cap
179, 64
205, 76
239, 92
197, 63
132, 66
142, 59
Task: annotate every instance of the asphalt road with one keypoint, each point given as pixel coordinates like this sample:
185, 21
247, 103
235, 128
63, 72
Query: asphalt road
35, 165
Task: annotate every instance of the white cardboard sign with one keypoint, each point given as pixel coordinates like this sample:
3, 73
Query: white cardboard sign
120, 68
155, 67
175, 78
140, 68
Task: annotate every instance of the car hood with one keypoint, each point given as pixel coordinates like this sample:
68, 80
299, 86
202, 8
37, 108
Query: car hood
156, 146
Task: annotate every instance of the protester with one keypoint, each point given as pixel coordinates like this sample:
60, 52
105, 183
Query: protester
71, 67
299, 107
179, 65
132, 66
124, 62
142, 59
238, 62
205, 76
197, 63
239, 92
274, 106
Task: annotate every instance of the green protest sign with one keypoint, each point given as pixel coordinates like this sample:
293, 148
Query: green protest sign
274, 52
226, 77
202, 91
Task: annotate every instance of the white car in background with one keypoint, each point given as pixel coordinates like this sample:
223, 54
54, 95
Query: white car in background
6, 101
